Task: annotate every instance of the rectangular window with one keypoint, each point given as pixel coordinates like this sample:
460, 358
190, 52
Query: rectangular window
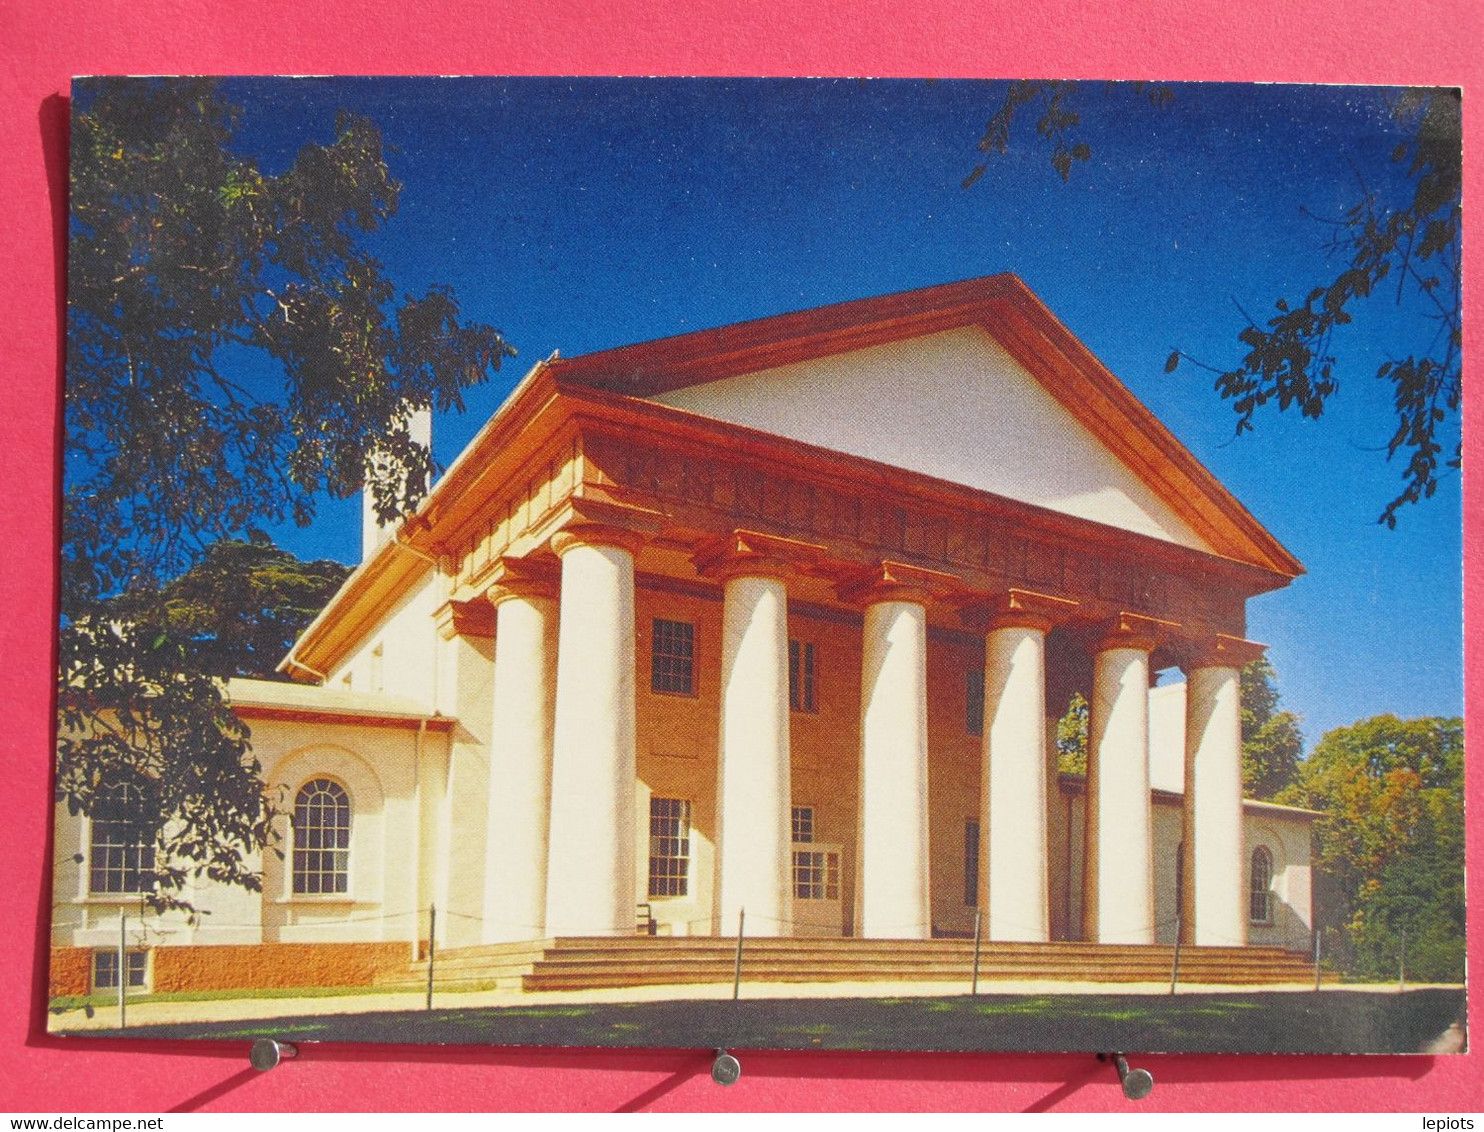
971, 863
120, 845
816, 874
974, 701
673, 660
669, 847
803, 823
1260, 909
801, 676
106, 969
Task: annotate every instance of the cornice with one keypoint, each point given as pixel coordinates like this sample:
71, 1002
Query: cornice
634, 422
1219, 651
746, 553
1019, 608
1012, 314
896, 581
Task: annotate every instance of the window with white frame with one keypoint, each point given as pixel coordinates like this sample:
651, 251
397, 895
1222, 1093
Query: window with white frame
669, 847
121, 841
106, 969
321, 839
803, 824
1260, 902
816, 872
673, 657
801, 676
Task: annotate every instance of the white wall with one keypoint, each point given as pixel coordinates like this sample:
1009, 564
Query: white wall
1167, 737
954, 405
1285, 834
1287, 839
466, 691
398, 655
376, 765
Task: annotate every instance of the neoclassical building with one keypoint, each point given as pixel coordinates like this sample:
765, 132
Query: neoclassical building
773, 621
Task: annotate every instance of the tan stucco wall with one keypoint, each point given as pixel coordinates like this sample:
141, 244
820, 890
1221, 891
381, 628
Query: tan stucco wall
953, 779
921, 404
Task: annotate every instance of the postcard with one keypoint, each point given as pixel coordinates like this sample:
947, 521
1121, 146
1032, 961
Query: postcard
859, 564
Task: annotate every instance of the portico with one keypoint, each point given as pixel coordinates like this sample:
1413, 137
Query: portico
743, 663
776, 621
568, 713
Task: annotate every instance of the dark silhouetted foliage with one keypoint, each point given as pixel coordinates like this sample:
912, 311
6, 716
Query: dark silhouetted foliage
234, 351
1402, 244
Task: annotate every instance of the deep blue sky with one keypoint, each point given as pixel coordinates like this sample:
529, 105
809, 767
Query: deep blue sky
581, 214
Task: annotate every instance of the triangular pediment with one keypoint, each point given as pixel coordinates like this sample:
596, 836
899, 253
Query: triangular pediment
954, 405
976, 383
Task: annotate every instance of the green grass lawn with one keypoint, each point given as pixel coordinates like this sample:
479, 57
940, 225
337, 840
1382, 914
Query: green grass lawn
108, 1000
1324, 1022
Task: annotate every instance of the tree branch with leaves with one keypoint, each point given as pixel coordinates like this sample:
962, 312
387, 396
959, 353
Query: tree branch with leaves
235, 353
1404, 243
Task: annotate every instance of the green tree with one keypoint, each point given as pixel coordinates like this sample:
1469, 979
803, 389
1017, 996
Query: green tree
1389, 846
1271, 742
1404, 243
1272, 745
234, 352
238, 610
1071, 737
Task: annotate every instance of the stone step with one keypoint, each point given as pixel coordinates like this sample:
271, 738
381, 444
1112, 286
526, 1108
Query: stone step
907, 959
580, 962
829, 967
606, 977
674, 944
461, 985
571, 968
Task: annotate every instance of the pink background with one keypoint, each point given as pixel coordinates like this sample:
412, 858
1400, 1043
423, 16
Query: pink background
47, 41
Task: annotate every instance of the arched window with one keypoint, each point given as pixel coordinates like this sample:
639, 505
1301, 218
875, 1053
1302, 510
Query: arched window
1260, 904
121, 846
321, 838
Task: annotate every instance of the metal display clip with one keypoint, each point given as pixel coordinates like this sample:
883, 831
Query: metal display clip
725, 1069
1137, 1083
266, 1053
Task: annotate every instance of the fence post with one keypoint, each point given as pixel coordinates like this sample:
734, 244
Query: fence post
432, 948
123, 969
1401, 967
978, 920
1318, 937
737, 966
1175, 966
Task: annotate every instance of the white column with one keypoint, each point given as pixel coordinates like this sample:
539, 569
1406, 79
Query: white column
892, 893
1013, 873
1118, 894
520, 762
754, 830
1215, 911
590, 869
